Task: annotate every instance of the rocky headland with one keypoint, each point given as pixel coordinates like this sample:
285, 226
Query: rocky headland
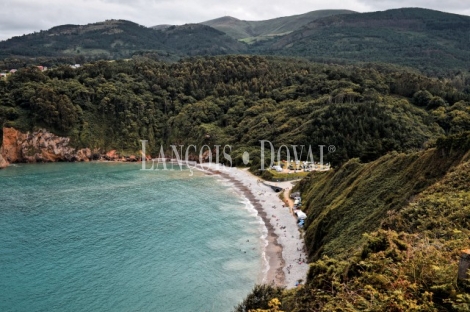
43, 146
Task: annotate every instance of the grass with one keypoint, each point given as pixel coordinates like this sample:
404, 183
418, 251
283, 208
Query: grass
287, 176
345, 203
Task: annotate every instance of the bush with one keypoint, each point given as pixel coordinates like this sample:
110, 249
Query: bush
259, 298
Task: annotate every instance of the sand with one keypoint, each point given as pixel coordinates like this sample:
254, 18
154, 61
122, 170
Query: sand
285, 244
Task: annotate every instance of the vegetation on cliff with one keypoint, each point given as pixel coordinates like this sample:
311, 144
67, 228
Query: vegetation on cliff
394, 247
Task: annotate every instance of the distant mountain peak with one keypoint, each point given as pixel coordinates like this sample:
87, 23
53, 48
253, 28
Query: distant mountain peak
223, 19
108, 27
161, 27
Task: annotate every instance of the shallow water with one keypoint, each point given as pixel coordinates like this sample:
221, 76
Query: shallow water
109, 237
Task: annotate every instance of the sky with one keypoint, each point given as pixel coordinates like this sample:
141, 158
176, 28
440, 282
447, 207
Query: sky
18, 17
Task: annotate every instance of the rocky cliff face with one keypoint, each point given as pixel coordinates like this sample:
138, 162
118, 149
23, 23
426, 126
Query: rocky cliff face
3, 162
44, 146
10, 148
38, 146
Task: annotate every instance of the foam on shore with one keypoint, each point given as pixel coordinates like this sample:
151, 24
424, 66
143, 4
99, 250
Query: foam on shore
284, 245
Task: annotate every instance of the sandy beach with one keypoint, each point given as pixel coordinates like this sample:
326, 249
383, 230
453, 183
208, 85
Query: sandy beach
285, 244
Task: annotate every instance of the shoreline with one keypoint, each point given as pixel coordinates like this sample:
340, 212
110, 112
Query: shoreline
273, 250
285, 243
285, 249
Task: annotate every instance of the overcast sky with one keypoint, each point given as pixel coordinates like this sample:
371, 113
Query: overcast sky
18, 17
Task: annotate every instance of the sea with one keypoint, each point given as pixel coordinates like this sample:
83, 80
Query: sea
111, 237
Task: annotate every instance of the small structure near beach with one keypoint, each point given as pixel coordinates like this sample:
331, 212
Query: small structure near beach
294, 195
300, 214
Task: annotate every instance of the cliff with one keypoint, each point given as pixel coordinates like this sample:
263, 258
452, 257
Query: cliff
44, 146
38, 146
387, 235
3, 162
343, 204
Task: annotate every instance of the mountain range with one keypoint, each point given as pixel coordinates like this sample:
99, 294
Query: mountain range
428, 40
252, 31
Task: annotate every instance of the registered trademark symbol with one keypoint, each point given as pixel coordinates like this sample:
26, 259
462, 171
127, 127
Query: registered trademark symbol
331, 148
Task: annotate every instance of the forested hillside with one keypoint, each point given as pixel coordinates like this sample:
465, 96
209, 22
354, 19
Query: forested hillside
252, 31
385, 227
118, 39
365, 112
428, 40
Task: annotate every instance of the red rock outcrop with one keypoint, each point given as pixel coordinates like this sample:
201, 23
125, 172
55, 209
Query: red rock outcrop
111, 155
84, 154
39, 146
44, 146
11, 150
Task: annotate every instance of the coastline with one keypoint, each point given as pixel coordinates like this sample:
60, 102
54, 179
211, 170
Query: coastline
285, 243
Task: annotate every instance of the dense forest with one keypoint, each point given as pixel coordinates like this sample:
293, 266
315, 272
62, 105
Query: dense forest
365, 112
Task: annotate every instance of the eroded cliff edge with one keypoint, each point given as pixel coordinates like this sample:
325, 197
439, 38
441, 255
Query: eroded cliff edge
38, 146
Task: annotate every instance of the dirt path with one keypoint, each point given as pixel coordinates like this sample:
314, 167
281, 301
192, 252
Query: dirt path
288, 200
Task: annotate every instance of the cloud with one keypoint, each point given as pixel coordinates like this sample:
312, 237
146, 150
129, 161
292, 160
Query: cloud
20, 17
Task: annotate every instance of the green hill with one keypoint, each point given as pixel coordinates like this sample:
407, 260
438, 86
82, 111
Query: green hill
419, 38
116, 39
251, 31
196, 39
110, 39
232, 26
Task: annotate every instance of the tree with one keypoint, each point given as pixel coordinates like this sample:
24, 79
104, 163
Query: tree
422, 98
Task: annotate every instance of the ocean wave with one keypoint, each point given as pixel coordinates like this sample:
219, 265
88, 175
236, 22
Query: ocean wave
263, 238
262, 228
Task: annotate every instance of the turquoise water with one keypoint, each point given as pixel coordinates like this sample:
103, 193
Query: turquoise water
109, 237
